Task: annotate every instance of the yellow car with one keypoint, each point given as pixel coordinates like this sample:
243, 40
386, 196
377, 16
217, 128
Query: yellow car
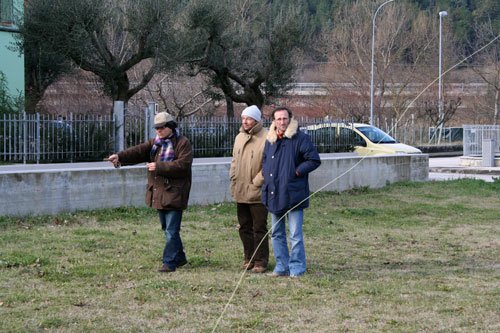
366, 140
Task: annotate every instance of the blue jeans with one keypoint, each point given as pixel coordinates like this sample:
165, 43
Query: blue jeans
173, 253
295, 262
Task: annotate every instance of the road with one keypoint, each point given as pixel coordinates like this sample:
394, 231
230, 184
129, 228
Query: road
446, 168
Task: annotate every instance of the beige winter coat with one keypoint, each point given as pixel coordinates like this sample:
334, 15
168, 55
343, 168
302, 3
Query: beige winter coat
246, 165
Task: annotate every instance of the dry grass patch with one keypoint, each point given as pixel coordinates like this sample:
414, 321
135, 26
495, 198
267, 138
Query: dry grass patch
409, 257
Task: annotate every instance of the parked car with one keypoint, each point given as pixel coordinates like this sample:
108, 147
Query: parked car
365, 139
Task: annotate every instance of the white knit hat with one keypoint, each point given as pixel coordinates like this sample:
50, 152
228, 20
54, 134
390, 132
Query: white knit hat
252, 111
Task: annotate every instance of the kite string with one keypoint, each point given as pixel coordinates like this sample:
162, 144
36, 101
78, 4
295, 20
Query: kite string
338, 177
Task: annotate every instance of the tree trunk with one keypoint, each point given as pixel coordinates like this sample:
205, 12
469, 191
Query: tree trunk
229, 107
120, 86
254, 96
32, 99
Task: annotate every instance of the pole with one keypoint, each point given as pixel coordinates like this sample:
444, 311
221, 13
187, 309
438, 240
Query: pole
151, 111
440, 89
373, 61
119, 116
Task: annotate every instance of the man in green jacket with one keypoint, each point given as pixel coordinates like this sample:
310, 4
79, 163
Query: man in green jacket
168, 160
246, 181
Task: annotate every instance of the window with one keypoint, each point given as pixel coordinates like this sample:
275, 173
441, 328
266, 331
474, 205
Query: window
6, 12
348, 135
376, 135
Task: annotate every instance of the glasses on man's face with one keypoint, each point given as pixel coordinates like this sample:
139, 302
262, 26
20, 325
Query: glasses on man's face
160, 127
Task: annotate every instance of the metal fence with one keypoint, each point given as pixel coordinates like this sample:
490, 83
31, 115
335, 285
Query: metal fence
214, 136
29, 138
474, 135
46, 138
135, 129
210, 136
419, 135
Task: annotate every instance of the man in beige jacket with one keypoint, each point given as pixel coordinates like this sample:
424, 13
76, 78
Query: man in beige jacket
246, 181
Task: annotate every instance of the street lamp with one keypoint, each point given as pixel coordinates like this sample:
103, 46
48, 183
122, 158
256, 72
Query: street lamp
373, 62
440, 97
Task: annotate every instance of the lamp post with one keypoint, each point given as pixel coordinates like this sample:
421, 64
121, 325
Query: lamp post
440, 95
373, 61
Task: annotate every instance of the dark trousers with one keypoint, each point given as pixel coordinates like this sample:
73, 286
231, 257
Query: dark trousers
253, 229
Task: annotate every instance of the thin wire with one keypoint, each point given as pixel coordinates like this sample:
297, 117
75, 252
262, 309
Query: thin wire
341, 175
449, 69
265, 239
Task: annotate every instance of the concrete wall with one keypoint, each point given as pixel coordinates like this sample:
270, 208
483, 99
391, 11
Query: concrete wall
51, 191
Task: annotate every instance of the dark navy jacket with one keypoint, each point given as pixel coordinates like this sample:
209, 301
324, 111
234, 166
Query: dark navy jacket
295, 153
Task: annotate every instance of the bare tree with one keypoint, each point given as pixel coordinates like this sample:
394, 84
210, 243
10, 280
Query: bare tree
179, 94
437, 119
487, 67
405, 48
78, 93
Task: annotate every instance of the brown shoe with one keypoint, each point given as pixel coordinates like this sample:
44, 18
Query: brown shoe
247, 265
259, 269
165, 269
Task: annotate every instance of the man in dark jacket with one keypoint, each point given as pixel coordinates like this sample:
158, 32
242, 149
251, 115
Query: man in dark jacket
289, 156
168, 159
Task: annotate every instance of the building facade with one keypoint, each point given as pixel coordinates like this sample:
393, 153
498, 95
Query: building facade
11, 62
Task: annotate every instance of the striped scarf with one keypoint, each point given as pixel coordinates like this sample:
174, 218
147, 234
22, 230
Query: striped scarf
167, 153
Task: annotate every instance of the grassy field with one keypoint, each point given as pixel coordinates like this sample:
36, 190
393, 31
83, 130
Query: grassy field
411, 257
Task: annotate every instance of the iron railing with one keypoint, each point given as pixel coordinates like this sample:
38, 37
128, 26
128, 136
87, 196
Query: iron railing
474, 135
36, 138
46, 138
